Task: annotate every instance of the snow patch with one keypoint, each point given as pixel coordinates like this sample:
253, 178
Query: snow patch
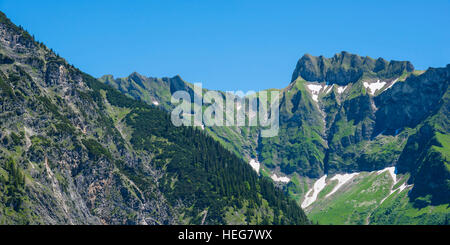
319, 185
402, 187
255, 165
342, 179
317, 188
373, 87
315, 89
329, 89
280, 179
340, 89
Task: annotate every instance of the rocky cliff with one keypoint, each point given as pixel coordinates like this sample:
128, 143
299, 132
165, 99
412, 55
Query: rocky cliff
345, 68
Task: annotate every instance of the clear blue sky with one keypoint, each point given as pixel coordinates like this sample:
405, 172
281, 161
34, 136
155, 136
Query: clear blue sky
231, 45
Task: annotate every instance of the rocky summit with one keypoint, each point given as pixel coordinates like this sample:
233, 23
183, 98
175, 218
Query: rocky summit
345, 68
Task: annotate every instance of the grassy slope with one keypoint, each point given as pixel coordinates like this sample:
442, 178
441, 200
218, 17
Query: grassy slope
352, 206
359, 202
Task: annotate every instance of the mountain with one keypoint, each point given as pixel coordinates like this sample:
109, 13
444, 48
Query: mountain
355, 116
347, 124
345, 68
158, 91
74, 150
349, 116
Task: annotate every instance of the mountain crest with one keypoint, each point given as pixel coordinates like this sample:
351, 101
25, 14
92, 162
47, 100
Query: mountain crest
344, 68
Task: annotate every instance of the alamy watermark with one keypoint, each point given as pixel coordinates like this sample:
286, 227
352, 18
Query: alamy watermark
213, 108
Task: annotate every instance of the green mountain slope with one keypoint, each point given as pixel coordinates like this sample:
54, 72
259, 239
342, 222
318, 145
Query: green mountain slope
76, 151
378, 121
352, 114
158, 91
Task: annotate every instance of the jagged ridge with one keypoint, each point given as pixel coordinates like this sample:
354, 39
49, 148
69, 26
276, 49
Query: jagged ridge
344, 68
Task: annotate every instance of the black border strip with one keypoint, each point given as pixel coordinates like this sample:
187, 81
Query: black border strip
311, 234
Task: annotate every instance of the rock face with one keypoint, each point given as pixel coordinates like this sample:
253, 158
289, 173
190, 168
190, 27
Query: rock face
384, 114
46, 113
409, 103
76, 151
345, 68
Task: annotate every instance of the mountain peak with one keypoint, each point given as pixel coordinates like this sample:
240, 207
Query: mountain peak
345, 67
178, 78
136, 74
107, 77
